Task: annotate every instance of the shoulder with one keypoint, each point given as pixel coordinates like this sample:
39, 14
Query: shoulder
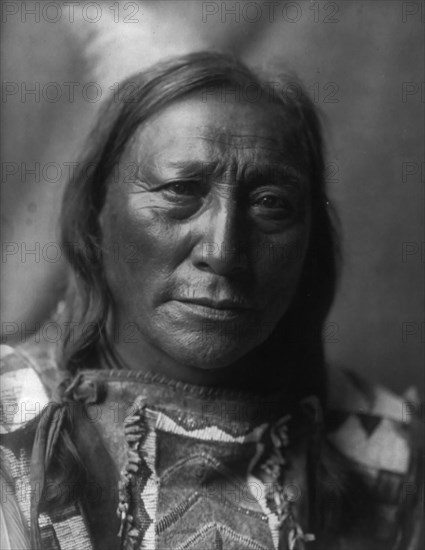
369, 423
28, 378
378, 434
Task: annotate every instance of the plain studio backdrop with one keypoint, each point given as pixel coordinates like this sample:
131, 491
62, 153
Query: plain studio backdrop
362, 62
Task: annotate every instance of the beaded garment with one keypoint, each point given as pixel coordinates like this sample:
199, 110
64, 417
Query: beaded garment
133, 461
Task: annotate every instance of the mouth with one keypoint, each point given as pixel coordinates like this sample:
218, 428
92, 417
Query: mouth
222, 305
215, 310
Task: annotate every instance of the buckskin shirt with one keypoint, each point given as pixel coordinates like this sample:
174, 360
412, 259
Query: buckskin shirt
125, 459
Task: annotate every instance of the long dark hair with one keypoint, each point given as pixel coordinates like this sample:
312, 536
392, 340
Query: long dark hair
88, 300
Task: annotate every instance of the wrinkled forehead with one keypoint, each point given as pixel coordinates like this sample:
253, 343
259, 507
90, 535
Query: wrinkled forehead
229, 134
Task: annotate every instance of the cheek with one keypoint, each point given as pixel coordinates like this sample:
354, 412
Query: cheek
161, 245
280, 259
140, 243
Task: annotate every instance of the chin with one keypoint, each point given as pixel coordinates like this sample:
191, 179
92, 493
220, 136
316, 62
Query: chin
210, 353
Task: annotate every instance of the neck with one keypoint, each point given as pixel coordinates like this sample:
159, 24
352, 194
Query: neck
259, 371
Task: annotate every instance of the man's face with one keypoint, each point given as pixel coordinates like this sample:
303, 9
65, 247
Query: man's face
205, 231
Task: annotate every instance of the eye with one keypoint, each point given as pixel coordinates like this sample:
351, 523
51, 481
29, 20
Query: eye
277, 205
271, 202
182, 188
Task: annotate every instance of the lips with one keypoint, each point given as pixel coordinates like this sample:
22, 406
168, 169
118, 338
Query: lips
228, 304
206, 308
200, 310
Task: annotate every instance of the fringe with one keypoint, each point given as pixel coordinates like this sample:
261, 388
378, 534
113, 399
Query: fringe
135, 430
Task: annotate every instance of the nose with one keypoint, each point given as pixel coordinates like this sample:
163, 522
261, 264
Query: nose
222, 247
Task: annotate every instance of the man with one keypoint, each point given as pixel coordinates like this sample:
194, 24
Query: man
203, 265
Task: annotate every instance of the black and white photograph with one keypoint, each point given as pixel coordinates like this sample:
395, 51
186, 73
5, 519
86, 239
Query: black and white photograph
212, 275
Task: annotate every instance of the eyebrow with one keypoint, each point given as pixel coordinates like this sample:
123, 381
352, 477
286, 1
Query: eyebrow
193, 168
250, 173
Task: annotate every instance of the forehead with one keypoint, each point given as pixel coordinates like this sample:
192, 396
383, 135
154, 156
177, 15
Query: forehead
193, 129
